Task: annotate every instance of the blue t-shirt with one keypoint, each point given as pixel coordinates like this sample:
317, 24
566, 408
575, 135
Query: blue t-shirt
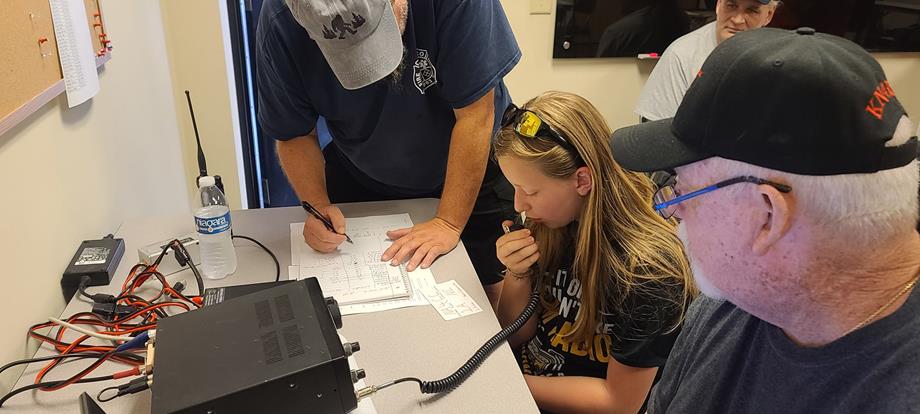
729, 361
456, 51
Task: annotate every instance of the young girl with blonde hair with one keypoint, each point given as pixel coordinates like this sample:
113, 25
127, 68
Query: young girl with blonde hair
612, 274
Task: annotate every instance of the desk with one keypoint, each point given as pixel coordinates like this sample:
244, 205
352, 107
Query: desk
412, 341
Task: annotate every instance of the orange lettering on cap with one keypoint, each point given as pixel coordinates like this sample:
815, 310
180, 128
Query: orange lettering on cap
699, 74
880, 97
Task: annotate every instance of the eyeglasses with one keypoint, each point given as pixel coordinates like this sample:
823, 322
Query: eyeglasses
528, 125
667, 197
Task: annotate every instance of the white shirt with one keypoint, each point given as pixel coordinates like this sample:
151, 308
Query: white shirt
674, 72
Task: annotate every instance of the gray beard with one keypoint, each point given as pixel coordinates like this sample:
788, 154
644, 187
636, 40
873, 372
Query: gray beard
395, 78
702, 282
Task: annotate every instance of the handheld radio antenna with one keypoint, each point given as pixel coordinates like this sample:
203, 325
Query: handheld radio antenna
202, 164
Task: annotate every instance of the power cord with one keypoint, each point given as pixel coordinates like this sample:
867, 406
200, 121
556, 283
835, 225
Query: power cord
77, 355
13, 393
98, 297
134, 386
185, 259
277, 265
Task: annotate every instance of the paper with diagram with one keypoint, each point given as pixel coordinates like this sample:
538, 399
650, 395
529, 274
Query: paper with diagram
451, 301
354, 273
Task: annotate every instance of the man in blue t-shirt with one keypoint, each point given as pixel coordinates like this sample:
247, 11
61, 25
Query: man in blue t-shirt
412, 93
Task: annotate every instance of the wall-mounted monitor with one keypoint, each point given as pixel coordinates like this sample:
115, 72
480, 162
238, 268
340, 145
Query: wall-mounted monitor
627, 28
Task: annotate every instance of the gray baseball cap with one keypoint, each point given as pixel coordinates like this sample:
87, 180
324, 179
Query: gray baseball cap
359, 38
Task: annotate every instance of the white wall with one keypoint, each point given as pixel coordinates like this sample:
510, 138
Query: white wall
73, 174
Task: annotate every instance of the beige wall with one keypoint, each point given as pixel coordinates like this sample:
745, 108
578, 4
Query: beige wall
73, 174
613, 84
196, 44
903, 70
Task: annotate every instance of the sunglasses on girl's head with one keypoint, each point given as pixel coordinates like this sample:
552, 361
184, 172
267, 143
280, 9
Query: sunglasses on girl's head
528, 125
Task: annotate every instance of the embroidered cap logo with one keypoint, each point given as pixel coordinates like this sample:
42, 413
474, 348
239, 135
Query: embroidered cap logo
880, 97
340, 28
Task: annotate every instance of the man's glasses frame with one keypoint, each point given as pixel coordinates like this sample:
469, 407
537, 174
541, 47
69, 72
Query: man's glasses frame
529, 125
667, 197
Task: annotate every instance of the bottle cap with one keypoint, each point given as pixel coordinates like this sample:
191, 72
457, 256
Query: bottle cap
205, 181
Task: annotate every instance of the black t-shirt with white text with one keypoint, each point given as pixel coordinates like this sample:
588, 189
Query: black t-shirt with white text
638, 338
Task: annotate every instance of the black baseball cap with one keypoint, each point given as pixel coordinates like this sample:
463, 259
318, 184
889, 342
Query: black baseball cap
790, 100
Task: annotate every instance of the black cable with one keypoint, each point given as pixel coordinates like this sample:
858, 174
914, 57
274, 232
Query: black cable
96, 298
12, 393
79, 355
134, 386
83, 281
186, 259
458, 377
160, 256
198, 279
277, 265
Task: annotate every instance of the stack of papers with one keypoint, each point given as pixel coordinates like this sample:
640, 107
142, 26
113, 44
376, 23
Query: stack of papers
354, 274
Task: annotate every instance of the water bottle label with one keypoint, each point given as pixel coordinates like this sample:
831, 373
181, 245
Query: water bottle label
213, 225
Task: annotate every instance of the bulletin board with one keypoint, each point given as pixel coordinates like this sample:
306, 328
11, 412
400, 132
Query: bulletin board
30, 69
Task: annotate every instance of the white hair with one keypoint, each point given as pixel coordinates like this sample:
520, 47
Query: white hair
862, 209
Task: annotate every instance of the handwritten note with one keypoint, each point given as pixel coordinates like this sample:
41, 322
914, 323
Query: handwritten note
451, 301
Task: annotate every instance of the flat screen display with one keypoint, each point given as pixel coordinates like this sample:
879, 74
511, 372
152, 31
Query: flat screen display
627, 28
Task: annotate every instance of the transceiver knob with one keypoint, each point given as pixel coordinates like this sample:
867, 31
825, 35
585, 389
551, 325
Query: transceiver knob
357, 375
334, 311
351, 347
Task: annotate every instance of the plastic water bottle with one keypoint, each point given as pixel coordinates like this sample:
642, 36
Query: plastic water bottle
212, 221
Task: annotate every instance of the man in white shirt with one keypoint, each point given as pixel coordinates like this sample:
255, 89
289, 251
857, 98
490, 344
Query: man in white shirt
683, 59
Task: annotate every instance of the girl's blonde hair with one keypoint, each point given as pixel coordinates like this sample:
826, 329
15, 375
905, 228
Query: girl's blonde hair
623, 249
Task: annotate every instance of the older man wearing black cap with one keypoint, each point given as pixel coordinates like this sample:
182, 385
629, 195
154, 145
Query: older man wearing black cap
680, 62
797, 194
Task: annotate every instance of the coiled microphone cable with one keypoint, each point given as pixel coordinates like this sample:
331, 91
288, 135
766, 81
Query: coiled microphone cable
454, 380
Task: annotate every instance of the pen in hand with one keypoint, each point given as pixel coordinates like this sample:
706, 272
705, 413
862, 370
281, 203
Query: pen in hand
315, 213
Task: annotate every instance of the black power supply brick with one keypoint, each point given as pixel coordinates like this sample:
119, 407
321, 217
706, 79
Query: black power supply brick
97, 259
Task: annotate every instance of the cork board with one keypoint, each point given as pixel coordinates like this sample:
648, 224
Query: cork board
29, 66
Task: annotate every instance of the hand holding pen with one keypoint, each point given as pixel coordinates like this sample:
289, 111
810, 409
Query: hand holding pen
324, 230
